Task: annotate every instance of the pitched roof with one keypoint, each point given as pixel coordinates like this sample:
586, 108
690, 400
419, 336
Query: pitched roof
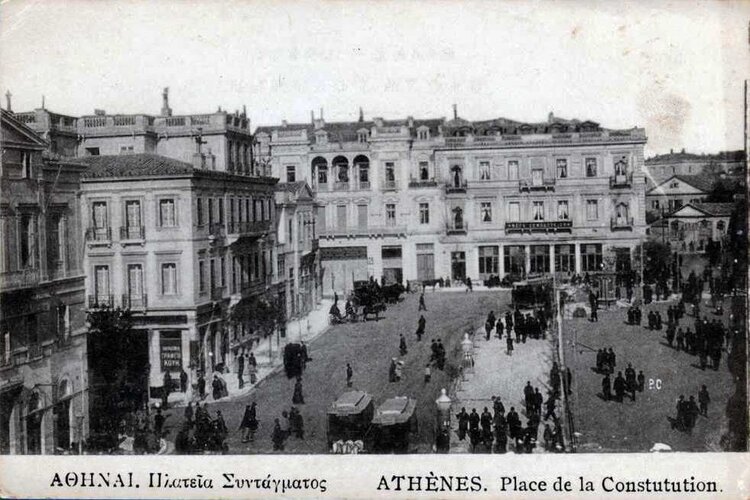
18, 133
704, 182
290, 187
133, 165
715, 209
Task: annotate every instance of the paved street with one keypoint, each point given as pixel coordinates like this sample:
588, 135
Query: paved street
637, 425
369, 347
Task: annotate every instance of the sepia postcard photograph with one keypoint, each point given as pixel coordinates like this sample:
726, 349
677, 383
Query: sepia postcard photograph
415, 229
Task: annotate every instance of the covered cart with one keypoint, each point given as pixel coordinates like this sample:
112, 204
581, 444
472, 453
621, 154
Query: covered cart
532, 293
394, 424
349, 417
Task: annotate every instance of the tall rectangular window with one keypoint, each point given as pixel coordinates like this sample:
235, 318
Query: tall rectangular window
290, 173
562, 168
424, 213
212, 273
390, 214
169, 278
210, 211
538, 210
221, 211
489, 260
99, 214
341, 217
485, 211
101, 282
222, 272
135, 280
167, 213
591, 167
390, 174
424, 171
199, 211
132, 214
362, 216
514, 211
201, 276
513, 169
591, 257
562, 210
484, 171
592, 210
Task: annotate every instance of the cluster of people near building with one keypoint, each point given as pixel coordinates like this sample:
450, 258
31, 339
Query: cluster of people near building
688, 411
201, 433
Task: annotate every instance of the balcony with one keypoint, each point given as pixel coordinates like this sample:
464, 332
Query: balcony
135, 302
215, 231
247, 229
132, 233
362, 231
253, 287
390, 185
536, 185
101, 235
20, 279
34, 352
621, 223
364, 185
422, 183
100, 301
341, 186
320, 186
456, 228
453, 187
621, 181
558, 226
217, 293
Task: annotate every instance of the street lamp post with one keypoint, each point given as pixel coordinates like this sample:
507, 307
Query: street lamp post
443, 427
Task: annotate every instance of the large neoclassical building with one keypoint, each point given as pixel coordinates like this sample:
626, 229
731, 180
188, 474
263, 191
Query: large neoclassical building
420, 199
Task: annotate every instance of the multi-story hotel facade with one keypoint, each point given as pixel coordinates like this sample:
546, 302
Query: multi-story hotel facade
181, 246
416, 199
43, 356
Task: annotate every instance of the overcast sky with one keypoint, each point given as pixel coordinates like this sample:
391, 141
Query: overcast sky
675, 68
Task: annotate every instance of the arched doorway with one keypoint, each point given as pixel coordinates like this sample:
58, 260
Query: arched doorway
61, 415
34, 425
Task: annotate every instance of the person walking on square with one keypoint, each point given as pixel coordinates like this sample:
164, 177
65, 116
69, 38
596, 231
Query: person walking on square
469, 286
630, 381
420, 327
606, 388
550, 404
619, 387
680, 336
703, 400
189, 414
499, 327
183, 380
641, 381
166, 389
249, 423
297, 397
463, 424
427, 373
538, 401
422, 306
201, 386
349, 375
277, 436
241, 371
509, 343
402, 345
528, 396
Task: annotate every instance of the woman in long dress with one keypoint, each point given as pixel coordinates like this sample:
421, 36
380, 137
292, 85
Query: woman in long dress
297, 397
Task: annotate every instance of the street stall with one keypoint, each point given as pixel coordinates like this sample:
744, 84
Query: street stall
394, 423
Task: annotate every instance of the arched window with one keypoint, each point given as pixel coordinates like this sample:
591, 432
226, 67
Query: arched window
341, 169
34, 424
362, 165
320, 171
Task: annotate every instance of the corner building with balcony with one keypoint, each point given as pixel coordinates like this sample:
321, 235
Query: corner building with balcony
43, 360
419, 200
181, 245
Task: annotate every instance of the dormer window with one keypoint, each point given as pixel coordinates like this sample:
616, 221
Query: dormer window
423, 133
362, 136
321, 138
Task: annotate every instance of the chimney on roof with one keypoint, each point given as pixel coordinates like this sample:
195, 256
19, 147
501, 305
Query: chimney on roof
683, 150
312, 116
550, 117
100, 112
43, 101
455, 112
244, 111
8, 107
284, 123
321, 113
361, 115
165, 109
671, 151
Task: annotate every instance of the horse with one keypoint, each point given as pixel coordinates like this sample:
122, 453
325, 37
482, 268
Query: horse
374, 308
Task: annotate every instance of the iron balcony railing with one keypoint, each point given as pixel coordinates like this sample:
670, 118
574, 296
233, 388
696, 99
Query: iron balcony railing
132, 233
453, 187
390, 186
99, 301
539, 226
135, 301
99, 234
422, 183
20, 279
545, 184
252, 227
457, 228
621, 180
621, 223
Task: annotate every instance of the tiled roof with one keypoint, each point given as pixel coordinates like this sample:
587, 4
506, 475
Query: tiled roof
704, 182
682, 156
133, 165
715, 209
290, 187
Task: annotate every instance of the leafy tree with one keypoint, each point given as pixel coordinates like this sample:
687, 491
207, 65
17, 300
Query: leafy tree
657, 260
261, 314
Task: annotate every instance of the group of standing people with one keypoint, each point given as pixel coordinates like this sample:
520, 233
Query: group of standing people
200, 433
688, 411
